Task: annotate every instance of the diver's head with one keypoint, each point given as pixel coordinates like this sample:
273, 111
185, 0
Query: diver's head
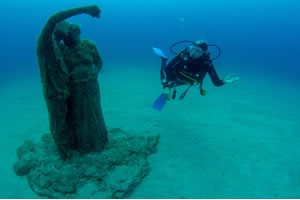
202, 44
197, 49
73, 35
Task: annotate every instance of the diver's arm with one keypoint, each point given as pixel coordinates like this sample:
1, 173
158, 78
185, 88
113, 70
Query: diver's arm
214, 76
46, 38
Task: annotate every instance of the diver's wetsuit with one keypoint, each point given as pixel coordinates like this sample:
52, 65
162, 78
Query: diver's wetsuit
185, 70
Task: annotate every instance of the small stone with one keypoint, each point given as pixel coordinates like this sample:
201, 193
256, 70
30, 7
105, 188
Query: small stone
22, 168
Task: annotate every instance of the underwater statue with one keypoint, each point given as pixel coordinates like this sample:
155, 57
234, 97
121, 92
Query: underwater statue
69, 70
76, 160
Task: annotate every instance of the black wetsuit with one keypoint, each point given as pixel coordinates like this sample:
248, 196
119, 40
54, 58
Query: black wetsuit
185, 70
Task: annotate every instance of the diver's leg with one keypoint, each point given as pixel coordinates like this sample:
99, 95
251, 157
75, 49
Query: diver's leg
164, 77
163, 74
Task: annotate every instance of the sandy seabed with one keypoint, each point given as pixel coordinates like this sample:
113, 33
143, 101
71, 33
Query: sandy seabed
239, 141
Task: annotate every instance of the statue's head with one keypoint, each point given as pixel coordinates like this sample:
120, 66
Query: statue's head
68, 33
73, 35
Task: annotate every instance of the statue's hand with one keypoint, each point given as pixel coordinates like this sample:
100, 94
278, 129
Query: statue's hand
93, 10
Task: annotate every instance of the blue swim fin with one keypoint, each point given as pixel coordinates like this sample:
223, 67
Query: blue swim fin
160, 102
159, 52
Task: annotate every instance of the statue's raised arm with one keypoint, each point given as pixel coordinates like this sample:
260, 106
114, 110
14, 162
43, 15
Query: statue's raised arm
47, 32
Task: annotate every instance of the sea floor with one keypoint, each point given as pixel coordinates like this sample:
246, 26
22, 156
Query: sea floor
239, 141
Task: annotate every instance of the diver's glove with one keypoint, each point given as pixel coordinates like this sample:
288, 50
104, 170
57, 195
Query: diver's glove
231, 78
202, 92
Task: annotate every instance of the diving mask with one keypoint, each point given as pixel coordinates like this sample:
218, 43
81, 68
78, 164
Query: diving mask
195, 51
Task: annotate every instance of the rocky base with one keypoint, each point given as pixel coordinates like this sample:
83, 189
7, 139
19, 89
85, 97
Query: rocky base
113, 173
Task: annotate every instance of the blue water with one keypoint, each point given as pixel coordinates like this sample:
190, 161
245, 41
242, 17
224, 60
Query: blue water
259, 34
256, 37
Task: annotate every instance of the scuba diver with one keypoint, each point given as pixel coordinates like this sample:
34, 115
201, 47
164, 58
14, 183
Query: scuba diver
188, 67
